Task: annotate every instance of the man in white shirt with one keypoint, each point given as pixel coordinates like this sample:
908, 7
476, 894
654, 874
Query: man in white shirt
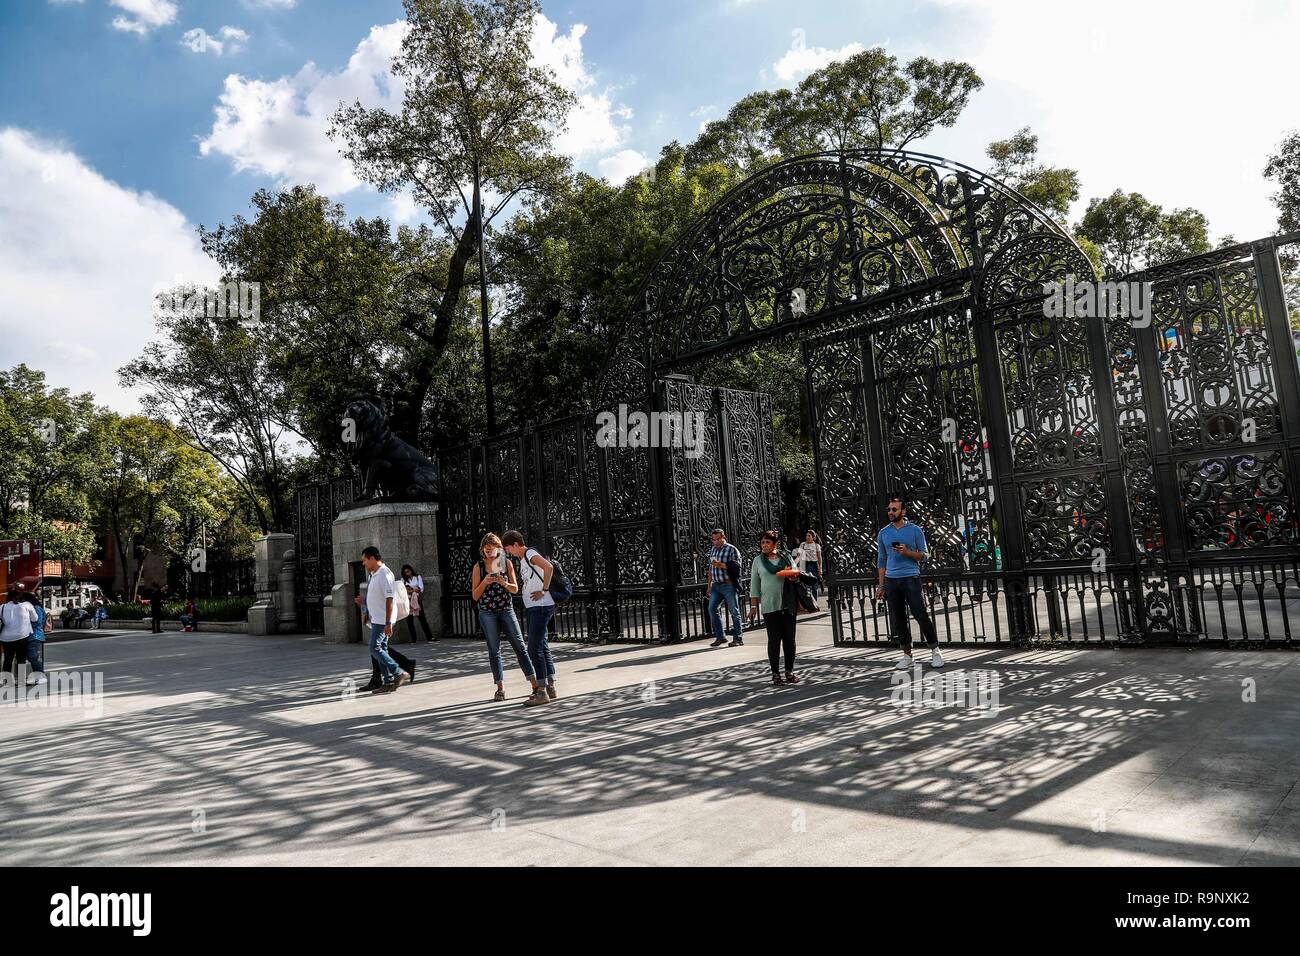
380, 610
16, 620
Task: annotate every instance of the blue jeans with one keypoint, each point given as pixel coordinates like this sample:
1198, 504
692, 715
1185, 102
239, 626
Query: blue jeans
494, 622
36, 654
379, 651
717, 594
539, 647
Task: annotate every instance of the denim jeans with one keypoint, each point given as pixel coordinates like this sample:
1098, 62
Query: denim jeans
494, 622
539, 647
717, 594
902, 595
36, 654
379, 651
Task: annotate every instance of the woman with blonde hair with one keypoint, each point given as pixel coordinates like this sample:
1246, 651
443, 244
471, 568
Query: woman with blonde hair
493, 584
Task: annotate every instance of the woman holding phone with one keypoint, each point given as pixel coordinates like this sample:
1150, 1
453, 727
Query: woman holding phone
493, 584
768, 593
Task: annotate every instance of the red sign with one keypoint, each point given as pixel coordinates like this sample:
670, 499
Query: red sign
20, 563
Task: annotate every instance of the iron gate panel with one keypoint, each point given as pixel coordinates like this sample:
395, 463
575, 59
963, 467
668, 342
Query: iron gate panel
315, 507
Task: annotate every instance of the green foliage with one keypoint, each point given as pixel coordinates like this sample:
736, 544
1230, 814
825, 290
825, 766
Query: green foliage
222, 609
1283, 167
1015, 162
45, 485
1133, 233
866, 101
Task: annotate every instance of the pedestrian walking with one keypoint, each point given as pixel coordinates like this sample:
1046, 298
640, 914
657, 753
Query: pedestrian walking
36, 643
770, 595
156, 608
810, 560
900, 549
415, 588
493, 584
17, 619
381, 614
539, 607
723, 587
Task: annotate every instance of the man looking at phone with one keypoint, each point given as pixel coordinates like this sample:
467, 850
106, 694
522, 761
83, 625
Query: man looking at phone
900, 549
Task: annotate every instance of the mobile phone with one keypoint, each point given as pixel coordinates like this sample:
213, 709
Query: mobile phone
898, 546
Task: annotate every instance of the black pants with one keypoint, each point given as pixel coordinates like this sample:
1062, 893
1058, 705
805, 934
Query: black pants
780, 632
13, 654
157, 624
902, 595
410, 626
404, 662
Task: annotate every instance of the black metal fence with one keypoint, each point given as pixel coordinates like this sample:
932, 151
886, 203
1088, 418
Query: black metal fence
629, 524
315, 507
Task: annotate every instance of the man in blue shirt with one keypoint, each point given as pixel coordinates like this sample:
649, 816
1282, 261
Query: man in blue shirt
900, 549
724, 579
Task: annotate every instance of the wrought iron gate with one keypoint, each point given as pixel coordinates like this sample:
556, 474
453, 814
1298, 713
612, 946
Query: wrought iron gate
629, 524
1078, 479
314, 509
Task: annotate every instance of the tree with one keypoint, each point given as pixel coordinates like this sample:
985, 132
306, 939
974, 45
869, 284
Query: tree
1133, 233
866, 101
154, 490
214, 378
476, 111
1015, 162
1283, 167
49, 455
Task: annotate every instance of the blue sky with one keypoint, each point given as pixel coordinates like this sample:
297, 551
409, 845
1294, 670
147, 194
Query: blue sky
124, 123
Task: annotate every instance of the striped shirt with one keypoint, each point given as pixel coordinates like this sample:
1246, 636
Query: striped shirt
728, 552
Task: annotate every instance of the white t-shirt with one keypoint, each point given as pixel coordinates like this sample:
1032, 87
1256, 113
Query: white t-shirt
382, 586
533, 577
811, 551
416, 582
18, 616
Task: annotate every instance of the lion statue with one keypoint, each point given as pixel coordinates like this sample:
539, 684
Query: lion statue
390, 468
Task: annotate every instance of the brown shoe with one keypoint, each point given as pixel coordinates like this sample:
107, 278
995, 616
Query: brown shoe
550, 690
538, 698
398, 681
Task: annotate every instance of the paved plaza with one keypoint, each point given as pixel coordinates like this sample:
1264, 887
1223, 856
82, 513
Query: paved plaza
249, 750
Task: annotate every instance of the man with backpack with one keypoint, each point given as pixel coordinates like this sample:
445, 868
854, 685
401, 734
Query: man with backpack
381, 614
538, 577
724, 585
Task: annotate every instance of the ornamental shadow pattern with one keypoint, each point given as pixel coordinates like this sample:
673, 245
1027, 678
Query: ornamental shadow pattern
1054, 463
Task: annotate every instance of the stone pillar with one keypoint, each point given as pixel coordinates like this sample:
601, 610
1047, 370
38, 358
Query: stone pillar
268, 557
287, 597
404, 533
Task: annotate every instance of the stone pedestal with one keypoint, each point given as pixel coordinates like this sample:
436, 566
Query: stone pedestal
269, 552
404, 533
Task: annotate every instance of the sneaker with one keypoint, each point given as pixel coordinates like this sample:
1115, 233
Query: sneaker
736, 644
550, 690
539, 697
384, 689
936, 659
399, 680
42, 679
371, 687
905, 664
720, 642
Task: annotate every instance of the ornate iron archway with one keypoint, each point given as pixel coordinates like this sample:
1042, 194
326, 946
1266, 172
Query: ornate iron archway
1071, 480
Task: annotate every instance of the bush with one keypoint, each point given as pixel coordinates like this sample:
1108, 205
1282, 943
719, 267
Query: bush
210, 609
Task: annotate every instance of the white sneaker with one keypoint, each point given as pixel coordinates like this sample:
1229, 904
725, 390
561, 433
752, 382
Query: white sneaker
905, 664
37, 678
936, 659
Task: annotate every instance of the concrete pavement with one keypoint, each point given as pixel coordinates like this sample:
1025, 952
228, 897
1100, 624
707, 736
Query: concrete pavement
252, 750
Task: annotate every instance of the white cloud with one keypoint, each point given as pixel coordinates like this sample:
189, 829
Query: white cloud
800, 60
1133, 96
271, 4
597, 125
80, 257
232, 40
623, 164
279, 127
144, 15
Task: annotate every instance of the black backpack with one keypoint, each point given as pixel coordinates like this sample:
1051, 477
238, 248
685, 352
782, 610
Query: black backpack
561, 588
